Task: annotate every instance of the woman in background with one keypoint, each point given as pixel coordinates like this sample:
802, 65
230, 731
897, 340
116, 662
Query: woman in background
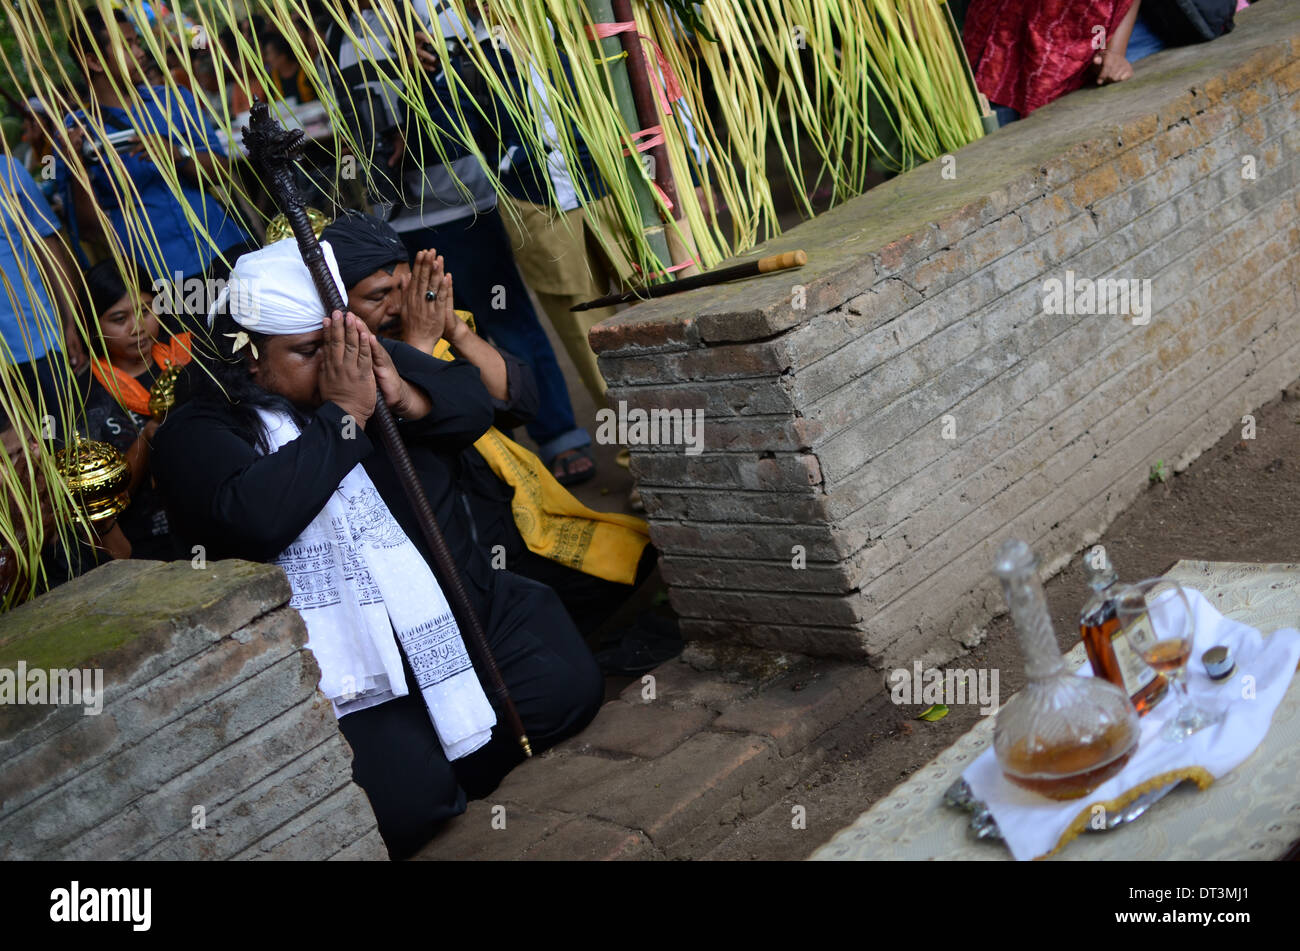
129, 356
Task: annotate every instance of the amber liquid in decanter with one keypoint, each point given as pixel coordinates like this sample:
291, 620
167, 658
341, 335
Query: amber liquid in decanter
1071, 771
1061, 735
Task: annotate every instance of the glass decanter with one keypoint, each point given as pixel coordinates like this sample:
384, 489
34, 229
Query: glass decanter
1062, 735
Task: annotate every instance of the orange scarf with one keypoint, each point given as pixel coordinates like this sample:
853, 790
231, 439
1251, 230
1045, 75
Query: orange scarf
128, 390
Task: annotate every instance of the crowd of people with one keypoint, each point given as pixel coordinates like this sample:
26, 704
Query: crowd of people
433, 200
439, 202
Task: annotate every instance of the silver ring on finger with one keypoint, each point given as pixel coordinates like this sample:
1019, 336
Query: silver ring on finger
431, 296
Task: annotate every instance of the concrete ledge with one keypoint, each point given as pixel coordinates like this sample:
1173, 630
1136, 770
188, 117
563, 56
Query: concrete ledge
211, 740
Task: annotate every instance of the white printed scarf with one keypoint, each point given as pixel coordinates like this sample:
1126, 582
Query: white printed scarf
357, 579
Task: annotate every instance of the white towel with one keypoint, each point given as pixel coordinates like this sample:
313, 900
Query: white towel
1032, 825
356, 580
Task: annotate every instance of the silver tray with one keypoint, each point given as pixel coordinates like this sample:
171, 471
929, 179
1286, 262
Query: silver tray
984, 826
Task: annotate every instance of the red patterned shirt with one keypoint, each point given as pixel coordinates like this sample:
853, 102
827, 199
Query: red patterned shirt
1026, 53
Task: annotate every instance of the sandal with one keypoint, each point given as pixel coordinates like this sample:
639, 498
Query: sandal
570, 475
650, 640
638, 655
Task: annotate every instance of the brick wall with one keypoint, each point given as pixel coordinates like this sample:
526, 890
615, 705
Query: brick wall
923, 306
211, 718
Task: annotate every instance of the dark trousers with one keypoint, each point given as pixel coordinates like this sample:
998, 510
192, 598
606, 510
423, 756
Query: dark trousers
476, 252
590, 601
553, 681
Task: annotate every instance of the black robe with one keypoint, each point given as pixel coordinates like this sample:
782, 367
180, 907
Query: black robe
486, 495
223, 494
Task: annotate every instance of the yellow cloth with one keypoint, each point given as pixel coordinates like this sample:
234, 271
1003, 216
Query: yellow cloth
552, 522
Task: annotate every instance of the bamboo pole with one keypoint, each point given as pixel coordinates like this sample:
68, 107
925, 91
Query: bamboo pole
651, 224
681, 242
643, 97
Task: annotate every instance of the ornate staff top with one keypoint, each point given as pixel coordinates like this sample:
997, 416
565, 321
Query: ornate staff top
274, 151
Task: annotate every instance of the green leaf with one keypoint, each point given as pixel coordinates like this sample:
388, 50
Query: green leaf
691, 18
936, 712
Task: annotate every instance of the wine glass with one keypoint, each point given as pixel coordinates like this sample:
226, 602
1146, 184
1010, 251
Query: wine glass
1156, 616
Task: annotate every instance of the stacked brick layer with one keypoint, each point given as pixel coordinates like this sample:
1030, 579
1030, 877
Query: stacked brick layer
828, 513
213, 741
670, 768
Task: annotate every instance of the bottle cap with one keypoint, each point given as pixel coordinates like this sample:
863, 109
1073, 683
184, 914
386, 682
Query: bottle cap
1014, 558
1219, 663
1100, 572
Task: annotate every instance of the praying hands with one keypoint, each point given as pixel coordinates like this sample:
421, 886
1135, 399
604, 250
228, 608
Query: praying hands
354, 365
425, 320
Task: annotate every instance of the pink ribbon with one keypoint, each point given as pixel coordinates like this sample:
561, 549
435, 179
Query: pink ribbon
668, 270
669, 89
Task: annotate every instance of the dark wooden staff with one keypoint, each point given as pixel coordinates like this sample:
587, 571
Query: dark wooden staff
275, 151
774, 262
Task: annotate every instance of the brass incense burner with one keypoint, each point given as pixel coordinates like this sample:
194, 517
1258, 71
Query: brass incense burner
162, 396
98, 477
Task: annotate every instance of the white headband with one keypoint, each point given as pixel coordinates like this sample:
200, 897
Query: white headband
271, 291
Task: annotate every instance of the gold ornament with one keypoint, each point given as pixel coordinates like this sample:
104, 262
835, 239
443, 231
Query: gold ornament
279, 227
162, 395
97, 477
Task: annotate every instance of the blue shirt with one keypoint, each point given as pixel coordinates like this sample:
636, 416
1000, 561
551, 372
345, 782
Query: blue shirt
28, 322
182, 250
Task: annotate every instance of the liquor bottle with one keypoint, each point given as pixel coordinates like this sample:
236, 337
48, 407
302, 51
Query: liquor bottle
1109, 652
1062, 735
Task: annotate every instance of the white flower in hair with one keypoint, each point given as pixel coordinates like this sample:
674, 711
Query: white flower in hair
240, 339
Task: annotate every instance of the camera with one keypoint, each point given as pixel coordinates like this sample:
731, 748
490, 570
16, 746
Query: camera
117, 141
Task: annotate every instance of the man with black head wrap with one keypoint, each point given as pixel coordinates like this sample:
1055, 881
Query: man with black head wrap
439, 194
363, 245
524, 519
